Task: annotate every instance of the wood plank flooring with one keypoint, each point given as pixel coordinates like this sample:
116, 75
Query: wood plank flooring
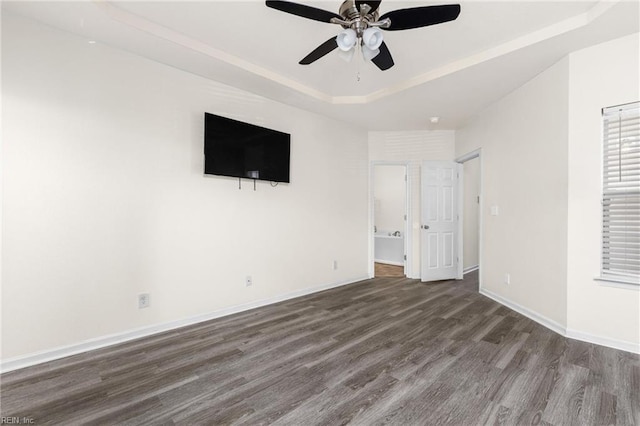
383, 351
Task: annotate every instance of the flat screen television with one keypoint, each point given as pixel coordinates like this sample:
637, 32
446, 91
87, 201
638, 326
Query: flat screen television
242, 150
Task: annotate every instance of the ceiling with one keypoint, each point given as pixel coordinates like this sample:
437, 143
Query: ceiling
452, 70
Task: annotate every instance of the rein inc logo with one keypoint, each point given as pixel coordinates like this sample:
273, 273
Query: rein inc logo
17, 420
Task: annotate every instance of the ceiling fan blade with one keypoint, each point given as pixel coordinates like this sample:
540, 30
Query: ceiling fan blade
416, 17
320, 51
372, 3
383, 60
302, 10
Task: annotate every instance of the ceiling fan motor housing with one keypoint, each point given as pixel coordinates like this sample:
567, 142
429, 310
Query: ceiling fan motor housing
359, 21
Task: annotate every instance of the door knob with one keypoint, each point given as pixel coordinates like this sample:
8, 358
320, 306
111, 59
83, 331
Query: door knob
425, 226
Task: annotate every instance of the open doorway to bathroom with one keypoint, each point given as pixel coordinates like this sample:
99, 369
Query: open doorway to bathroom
389, 189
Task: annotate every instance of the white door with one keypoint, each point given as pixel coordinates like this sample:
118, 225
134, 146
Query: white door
440, 228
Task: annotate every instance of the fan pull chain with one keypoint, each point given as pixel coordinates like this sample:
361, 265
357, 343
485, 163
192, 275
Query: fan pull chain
360, 60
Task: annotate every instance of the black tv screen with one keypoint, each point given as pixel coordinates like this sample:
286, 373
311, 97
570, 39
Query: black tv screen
242, 150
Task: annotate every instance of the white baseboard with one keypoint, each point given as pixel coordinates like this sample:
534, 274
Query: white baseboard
604, 341
113, 339
561, 329
389, 262
470, 269
540, 319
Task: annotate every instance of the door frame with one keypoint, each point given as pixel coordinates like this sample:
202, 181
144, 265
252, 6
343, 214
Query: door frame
477, 153
408, 234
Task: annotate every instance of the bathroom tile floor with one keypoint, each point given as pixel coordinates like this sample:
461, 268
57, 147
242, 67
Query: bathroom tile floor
384, 270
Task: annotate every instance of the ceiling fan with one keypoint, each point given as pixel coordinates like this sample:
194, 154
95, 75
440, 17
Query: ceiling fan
361, 25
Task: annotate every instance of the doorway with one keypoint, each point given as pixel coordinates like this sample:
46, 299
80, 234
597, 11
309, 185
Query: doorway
472, 213
389, 237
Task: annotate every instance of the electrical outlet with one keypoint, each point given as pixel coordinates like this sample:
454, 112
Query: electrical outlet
507, 279
143, 300
248, 282
335, 265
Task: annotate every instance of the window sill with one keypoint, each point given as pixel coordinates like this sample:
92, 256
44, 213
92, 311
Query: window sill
628, 284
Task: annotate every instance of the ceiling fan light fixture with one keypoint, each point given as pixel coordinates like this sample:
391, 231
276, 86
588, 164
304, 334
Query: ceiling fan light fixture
368, 54
346, 55
346, 39
372, 38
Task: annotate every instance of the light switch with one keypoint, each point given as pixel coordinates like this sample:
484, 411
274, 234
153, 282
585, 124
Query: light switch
495, 210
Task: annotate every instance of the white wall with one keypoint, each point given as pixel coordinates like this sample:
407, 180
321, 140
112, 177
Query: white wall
470, 225
524, 172
389, 197
541, 148
600, 76
414, 147
104, 195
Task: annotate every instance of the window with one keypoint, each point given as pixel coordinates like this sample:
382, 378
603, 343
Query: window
621, 194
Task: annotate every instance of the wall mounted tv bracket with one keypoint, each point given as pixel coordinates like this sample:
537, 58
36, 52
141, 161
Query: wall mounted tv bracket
251, 174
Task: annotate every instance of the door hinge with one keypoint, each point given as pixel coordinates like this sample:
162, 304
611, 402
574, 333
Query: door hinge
405, 217
405, 257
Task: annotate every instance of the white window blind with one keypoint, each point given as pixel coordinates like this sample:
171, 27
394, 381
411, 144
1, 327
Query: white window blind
621, 193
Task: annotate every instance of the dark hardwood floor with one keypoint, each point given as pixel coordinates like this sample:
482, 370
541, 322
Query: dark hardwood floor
383, 351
